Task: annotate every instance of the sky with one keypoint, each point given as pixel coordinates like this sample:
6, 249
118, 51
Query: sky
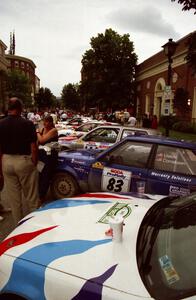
55, 34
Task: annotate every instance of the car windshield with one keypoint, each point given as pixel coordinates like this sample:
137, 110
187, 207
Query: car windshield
107, 135
166, 248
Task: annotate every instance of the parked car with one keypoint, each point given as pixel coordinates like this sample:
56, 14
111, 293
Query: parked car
75, 133
164, 166
102, 137
65, 250
71, 122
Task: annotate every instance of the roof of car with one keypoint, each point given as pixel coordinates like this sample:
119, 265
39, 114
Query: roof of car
126, 127
163, 140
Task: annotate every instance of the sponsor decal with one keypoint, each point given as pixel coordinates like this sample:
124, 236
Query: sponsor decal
97, 165
103, 146
75, 161
91, 145
179, 178
178, 191
115, 180
80, 169
118, 209
170, 273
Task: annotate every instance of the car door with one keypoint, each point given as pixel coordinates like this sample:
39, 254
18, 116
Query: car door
121, 168
173, 171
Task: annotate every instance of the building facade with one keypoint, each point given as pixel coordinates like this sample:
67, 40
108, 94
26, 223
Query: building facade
153, 97
3, 71
27, 67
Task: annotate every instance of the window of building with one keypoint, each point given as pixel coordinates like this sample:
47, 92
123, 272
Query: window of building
22, 64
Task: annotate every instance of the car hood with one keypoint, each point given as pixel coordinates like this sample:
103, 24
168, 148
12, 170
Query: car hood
77, 155
68, 236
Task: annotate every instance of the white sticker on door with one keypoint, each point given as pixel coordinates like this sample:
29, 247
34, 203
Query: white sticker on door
115, 180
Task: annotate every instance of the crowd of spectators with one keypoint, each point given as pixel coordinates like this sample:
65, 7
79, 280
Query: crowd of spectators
49, 118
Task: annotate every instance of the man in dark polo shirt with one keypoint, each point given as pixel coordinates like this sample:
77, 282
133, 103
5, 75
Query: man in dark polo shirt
18, 160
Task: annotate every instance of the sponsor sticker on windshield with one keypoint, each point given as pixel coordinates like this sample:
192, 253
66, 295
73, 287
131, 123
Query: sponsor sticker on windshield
118, 209
168, 269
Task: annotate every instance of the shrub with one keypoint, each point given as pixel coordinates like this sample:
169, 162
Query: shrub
171, 119
183, 126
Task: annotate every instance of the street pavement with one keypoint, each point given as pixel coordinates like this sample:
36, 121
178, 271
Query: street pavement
7, 224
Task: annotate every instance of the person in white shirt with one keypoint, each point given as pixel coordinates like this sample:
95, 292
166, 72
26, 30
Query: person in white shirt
35, 118
132, 121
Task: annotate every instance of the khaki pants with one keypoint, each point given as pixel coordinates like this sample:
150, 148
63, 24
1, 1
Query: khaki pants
21, 181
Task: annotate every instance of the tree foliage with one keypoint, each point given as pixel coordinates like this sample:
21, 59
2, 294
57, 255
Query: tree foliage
44, 99
191, 55
180, 101
18, 85
187, 4
108, 71
70, 96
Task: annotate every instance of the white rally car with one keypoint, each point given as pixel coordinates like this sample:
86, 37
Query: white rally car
64, 250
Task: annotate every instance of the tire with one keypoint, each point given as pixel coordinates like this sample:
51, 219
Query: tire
63, 185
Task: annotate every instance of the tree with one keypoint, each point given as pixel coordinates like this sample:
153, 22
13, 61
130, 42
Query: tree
191, 55
18, 85
180, 102
187, 4
3, 79
108, 71
44, 99
70, 96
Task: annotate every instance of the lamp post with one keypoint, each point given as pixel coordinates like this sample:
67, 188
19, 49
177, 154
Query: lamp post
169, 50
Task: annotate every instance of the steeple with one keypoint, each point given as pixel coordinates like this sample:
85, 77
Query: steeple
12, 43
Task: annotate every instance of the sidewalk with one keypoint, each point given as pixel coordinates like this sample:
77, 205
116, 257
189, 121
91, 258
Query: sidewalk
6, 225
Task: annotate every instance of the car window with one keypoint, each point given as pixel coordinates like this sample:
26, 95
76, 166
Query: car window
127, 132
85, 127
133, 154
106, 135
173, 159
166, 248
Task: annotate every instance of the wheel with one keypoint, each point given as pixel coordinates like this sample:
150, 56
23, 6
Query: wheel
63, 185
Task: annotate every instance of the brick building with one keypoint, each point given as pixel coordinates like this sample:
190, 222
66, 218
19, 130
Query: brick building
3, 71
27, 67
152, 81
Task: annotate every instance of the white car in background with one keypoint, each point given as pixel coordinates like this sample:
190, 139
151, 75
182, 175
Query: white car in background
103, 137
72, 123
80, 130
65, 250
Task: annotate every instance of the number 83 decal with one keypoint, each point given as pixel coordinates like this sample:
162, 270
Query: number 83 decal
115, 180
115, 185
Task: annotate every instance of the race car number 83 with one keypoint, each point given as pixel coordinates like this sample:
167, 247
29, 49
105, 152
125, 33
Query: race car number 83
115, 185
115, 180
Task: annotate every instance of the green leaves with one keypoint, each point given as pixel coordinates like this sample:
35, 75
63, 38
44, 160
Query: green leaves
19, 85
70, 96
44, 98
108, 71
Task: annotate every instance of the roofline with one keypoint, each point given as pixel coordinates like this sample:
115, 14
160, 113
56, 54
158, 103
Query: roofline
10, 56
184, 37
3, 44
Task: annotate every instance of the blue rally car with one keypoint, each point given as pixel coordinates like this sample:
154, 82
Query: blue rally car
142, 164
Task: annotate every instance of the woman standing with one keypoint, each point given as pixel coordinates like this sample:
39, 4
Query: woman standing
47, 135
